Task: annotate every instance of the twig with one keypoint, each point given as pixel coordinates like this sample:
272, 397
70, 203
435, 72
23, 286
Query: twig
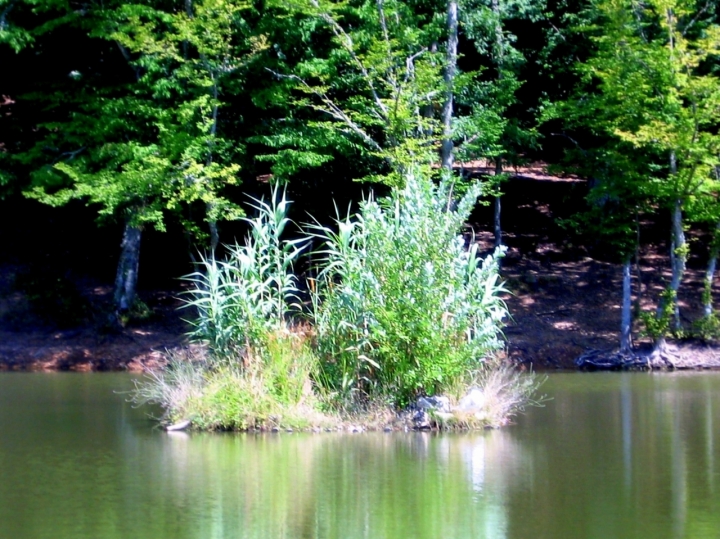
332, 109
347, 41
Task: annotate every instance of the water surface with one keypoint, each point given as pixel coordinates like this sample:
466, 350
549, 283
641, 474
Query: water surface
610, 456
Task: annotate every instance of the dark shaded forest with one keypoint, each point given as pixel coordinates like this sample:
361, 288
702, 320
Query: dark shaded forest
134, 136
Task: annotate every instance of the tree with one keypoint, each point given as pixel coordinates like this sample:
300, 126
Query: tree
150, 142
376, 86
651, 69
610, 222
492, 129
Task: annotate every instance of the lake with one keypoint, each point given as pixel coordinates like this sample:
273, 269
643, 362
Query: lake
611, 455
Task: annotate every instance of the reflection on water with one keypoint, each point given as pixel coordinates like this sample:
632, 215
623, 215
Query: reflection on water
611, 455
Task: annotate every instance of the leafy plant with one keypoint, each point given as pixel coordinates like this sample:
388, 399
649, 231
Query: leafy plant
272, 389
657, 324
402, 306
241, 299
707, 328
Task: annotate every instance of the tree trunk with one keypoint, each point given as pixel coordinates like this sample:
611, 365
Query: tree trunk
448, 149
677, 258
626, 318
500, 60
638, 272
497, 223
212, 225
210, 206
710, 274
127, 271
678, 255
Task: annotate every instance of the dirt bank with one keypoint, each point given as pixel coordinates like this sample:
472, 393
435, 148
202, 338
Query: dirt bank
565, 299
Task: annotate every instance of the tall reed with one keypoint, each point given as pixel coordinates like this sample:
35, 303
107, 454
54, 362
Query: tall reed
251, 293
403, 306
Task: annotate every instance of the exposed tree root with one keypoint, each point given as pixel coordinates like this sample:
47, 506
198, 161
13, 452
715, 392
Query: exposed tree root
663, 359
667, 356
626, 360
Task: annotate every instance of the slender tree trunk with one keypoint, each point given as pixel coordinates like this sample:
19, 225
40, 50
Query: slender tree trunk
214, 234
710, 273
499, 41
210, 206
448, 149
677, 261
497, 224
678, 255
638, 273
500, 60
677, 258
127, 270
626, 318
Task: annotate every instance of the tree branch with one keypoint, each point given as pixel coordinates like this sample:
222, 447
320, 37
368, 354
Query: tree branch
386, 36
696, 18
347, 42
332, 109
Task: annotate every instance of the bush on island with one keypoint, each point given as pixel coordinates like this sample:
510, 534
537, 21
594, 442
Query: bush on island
401, 308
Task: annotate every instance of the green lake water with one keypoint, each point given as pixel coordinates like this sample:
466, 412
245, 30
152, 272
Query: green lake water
610, 456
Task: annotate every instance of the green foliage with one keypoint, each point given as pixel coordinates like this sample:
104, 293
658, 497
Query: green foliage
657, 323
139, 312
271, 387
489, 123
403, 308
148, 140
241, 299
257, 372
619, 194
707, 328
374, 87
651, 67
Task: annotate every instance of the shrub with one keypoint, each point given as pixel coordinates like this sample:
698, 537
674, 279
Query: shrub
707, 328
656, 325
403, 307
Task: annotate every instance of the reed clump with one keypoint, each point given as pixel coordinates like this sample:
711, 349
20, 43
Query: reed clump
400, 308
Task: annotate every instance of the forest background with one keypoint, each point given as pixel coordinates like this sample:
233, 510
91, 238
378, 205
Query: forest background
157, 119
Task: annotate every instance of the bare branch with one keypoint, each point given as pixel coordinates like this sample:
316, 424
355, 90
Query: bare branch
69, 156
332, 109
696, 18
464, 143
347, 42
386, 36
575, 142
410, 64
128, 59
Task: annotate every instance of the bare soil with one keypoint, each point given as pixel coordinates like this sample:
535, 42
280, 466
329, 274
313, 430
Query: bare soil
565, 296
29, 342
